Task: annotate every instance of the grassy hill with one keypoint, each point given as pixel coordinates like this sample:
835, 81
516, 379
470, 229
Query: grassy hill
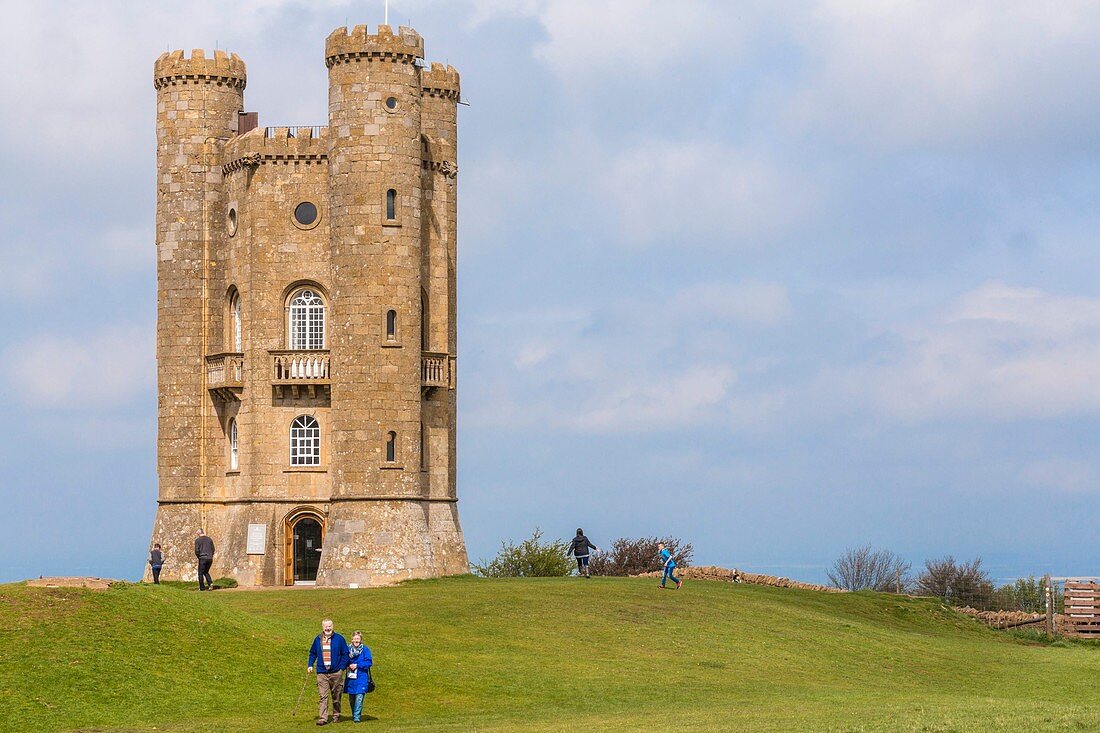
536, 654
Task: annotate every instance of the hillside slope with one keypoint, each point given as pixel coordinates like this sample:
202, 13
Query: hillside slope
535, 654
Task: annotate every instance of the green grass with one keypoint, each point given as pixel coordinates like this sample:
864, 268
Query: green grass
464, 654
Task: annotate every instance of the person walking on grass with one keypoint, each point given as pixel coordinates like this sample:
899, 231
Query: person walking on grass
329, 657
204, 551
579, 549
669, 566
358, 678
156, 562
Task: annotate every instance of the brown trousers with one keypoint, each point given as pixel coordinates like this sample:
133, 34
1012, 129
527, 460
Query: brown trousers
329, 686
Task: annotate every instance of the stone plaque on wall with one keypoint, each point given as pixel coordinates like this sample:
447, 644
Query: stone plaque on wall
257, 539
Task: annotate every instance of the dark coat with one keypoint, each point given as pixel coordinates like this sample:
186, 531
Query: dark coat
204, 548
580, 546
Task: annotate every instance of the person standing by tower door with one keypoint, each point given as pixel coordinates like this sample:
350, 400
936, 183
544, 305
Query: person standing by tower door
204, 551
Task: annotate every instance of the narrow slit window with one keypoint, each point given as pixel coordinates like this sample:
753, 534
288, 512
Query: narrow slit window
391, 446
423, 447
391, 325
424, 322
233, 455
238, 341
391, 204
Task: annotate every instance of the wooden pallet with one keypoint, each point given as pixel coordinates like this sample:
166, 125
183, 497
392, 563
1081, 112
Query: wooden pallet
1082, 607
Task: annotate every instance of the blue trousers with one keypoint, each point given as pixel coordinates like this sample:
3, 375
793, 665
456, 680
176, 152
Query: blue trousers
669, 569
356, 706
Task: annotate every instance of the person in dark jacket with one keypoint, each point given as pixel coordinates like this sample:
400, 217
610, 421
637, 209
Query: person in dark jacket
358, 678
329, 656
156, 562
579, 549
204, 551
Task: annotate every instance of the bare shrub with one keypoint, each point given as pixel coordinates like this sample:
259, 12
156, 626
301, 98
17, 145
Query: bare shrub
864, 568
628, 556
957, 583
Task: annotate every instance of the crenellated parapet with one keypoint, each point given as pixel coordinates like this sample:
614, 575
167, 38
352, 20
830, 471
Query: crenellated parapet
343, 45
276, 145
441, 81
437, 154
175, 68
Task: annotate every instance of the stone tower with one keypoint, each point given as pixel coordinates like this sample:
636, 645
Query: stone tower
306, 333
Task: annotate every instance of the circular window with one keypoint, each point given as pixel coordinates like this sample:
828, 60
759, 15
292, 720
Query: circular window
305, 215
391, 103
231, 220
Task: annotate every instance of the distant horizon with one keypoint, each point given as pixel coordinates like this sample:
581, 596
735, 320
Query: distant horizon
776, 280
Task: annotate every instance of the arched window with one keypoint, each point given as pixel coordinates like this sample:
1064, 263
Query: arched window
305, 441
238, 342
233, 455
391, 326
307, 320
391, 446
391, 204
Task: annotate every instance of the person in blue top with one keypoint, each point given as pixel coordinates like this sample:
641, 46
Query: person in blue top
359, 663
329, 656
669, 565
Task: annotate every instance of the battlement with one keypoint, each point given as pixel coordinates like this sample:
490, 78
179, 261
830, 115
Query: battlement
441, 81
344, 45
174, 67
276, 144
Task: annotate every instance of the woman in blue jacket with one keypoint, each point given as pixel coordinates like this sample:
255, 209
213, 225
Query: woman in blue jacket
359, 663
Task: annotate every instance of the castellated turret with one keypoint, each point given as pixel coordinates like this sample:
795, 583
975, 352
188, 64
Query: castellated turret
306, 334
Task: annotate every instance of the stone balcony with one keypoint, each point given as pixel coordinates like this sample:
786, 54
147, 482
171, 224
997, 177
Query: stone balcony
225, 375
297, 373
437, 370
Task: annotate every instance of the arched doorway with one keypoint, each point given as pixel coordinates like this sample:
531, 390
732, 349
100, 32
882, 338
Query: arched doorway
304, 536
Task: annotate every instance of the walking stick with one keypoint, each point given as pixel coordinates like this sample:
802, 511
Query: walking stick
301, 692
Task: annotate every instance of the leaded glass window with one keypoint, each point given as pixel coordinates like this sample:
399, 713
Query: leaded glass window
307, 321
305, 441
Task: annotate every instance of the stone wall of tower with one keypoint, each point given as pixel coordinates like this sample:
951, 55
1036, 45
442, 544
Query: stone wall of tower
441, 93
198, 100
383, 520
374, 147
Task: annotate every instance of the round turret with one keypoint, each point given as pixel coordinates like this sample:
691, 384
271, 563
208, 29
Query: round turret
441, 81
342, 45
173, 67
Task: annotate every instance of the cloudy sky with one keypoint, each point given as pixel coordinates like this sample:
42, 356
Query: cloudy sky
776, 278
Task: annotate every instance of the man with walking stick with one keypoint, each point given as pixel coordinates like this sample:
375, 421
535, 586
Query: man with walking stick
328, 656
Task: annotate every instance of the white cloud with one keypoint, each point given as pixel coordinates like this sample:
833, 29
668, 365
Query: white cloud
631, 366
999, 352
748, 302
111, 368
588, 41
692, 191
652, 401
1068, 475
943, 72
